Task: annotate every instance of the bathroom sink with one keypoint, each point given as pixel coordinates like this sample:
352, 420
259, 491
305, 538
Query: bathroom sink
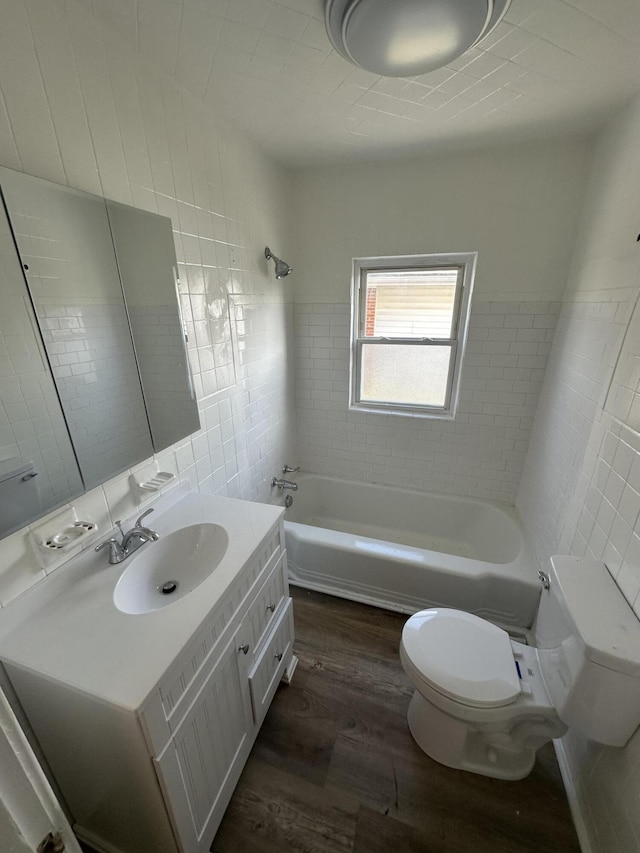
165, 571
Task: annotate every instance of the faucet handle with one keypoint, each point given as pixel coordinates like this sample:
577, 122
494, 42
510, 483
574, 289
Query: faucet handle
116, 551
143, 516
287, 469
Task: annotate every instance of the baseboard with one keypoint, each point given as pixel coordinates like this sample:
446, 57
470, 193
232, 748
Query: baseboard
572, 797
98, 844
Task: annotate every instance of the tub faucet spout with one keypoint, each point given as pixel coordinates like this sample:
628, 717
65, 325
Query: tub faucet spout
284, 484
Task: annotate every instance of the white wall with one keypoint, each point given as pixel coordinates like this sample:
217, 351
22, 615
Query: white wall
77, 108
580, 490
518, 207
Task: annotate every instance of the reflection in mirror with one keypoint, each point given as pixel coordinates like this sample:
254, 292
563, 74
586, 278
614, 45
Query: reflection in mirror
65, 245
72, 407
149, 273
38, 469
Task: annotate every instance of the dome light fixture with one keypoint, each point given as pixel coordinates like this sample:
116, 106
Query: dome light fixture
406, 38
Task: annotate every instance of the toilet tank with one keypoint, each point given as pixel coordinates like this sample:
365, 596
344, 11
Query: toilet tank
588, 646
19, 494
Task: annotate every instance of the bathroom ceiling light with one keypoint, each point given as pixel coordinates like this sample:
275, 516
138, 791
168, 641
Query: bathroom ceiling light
405, 38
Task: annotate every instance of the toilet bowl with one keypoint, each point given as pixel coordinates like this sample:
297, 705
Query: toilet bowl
486, 703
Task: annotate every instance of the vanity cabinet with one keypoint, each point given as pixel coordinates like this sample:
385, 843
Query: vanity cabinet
158, 778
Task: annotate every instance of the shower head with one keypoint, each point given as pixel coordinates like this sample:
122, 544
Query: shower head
282, 267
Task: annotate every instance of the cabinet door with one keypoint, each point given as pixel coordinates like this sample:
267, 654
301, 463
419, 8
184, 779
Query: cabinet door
200, 766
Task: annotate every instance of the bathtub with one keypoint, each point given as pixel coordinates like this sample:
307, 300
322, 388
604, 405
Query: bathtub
406, 550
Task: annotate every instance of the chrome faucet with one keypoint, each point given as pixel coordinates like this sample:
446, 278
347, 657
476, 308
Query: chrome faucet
131, 540
284, 484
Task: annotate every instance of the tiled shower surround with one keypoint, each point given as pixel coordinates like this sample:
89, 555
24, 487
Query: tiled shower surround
479, 454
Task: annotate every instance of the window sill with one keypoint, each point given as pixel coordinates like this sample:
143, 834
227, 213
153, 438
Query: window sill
403, 412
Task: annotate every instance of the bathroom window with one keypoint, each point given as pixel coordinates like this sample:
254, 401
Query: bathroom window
409, 325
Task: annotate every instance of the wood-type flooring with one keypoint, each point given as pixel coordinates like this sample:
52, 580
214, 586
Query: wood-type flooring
335, 770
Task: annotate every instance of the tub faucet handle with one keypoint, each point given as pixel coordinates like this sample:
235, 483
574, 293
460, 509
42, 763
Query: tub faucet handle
283, 484
287, 469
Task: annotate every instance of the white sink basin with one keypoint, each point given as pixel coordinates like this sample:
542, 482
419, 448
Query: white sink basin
165, 571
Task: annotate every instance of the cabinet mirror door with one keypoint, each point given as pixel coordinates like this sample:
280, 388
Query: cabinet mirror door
65, 246
34, 441
100, 317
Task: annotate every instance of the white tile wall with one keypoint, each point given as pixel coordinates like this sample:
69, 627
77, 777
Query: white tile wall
459, 202
79, 108
580, 490
479, 454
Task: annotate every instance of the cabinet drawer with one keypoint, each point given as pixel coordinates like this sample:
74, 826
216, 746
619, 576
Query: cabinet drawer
266, 607
271, 663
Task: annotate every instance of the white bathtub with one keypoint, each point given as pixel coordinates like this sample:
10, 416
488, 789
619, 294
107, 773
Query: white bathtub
407, 550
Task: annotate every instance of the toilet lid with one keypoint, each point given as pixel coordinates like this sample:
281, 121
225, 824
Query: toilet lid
462, 656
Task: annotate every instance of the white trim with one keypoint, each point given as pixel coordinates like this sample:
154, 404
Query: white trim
572, 798
467, 262
25, 793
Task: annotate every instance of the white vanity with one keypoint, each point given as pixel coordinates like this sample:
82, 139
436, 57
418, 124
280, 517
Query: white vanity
146, 719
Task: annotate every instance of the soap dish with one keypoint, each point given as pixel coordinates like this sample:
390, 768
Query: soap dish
68, 536
155, 483
60, 534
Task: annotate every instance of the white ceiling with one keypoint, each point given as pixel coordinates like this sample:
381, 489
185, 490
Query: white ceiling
551, 67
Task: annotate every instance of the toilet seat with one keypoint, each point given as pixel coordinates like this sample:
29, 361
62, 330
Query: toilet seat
462, 657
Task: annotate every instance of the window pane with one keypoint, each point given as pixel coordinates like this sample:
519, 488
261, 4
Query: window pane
414, 375
410, 303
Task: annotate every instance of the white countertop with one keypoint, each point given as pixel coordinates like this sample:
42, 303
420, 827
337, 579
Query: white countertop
67, 627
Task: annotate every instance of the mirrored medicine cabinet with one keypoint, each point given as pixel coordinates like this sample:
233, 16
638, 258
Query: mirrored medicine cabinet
94, 375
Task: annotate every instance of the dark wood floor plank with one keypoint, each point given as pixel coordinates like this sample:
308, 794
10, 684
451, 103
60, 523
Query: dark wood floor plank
335, 769
335, 752
277, 812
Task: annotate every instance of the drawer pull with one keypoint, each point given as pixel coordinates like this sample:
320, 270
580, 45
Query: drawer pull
271, 607
244, 649
278, 657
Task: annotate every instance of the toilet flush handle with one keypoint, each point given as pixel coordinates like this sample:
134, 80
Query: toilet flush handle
544, 580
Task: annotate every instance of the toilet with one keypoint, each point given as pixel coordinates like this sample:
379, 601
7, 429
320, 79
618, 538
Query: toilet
485, 703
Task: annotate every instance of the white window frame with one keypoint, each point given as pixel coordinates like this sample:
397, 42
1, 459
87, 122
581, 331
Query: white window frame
466, 262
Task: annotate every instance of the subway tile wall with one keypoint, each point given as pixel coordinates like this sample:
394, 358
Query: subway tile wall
78, 108
479, 454
580, 489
